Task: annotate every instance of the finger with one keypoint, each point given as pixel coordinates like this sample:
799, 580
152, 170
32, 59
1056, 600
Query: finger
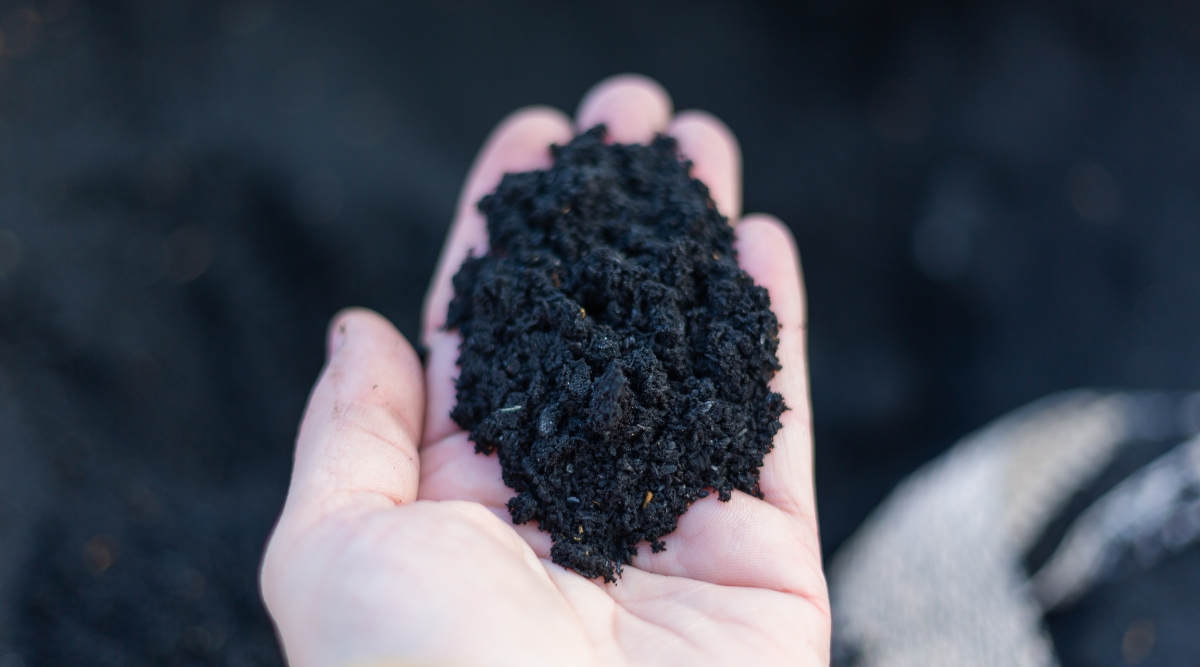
715, 155
358, 441
767, 252
632, 106
520, 143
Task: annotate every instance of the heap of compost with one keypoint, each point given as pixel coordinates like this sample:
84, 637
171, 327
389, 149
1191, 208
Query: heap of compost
613, 353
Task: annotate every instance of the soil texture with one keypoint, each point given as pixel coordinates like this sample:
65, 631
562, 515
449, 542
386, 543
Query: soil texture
614, 355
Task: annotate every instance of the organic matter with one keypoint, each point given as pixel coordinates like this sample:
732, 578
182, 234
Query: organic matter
614, 355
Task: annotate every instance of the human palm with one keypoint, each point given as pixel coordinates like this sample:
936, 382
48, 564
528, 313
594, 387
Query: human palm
396, 548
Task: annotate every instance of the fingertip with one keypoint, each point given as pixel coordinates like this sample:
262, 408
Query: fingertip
778, 227
525, 135
520, 142
336, 333
767, 252
716, 157
335, 336
632, 106
377, 365
531, 114
767, 233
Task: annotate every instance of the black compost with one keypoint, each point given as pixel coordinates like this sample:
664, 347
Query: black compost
614, 355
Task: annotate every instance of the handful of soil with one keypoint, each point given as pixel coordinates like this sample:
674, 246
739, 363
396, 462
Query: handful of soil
613, 354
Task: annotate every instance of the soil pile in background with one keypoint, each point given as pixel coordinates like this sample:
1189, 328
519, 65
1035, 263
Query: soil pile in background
614, 355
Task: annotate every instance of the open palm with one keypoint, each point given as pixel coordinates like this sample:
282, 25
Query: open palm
396, 548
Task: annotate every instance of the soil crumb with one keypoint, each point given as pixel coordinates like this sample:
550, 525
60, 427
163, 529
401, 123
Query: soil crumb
614, 355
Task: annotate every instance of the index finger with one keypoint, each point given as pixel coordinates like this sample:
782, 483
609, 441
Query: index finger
520, 143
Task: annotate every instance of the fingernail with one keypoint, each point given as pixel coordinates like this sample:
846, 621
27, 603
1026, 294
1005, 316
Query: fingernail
337, 338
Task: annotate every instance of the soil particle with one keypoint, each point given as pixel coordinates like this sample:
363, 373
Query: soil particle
614, 355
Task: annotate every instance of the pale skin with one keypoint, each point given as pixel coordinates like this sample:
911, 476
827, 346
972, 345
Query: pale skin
395, 546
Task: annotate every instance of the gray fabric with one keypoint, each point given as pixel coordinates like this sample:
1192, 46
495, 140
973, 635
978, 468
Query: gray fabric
934, 577
1154, 511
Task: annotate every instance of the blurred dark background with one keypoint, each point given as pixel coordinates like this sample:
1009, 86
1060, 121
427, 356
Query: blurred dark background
993, 200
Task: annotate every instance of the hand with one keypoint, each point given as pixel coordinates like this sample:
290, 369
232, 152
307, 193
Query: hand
395, 546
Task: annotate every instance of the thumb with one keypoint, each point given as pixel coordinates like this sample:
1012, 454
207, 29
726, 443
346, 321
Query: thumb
357, 447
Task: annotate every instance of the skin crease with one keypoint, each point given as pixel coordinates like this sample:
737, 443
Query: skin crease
395, 548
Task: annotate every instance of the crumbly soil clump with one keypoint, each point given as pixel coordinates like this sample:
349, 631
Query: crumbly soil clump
613, 354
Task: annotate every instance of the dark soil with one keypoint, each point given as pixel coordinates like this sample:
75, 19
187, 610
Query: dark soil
614, 354
865, 125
